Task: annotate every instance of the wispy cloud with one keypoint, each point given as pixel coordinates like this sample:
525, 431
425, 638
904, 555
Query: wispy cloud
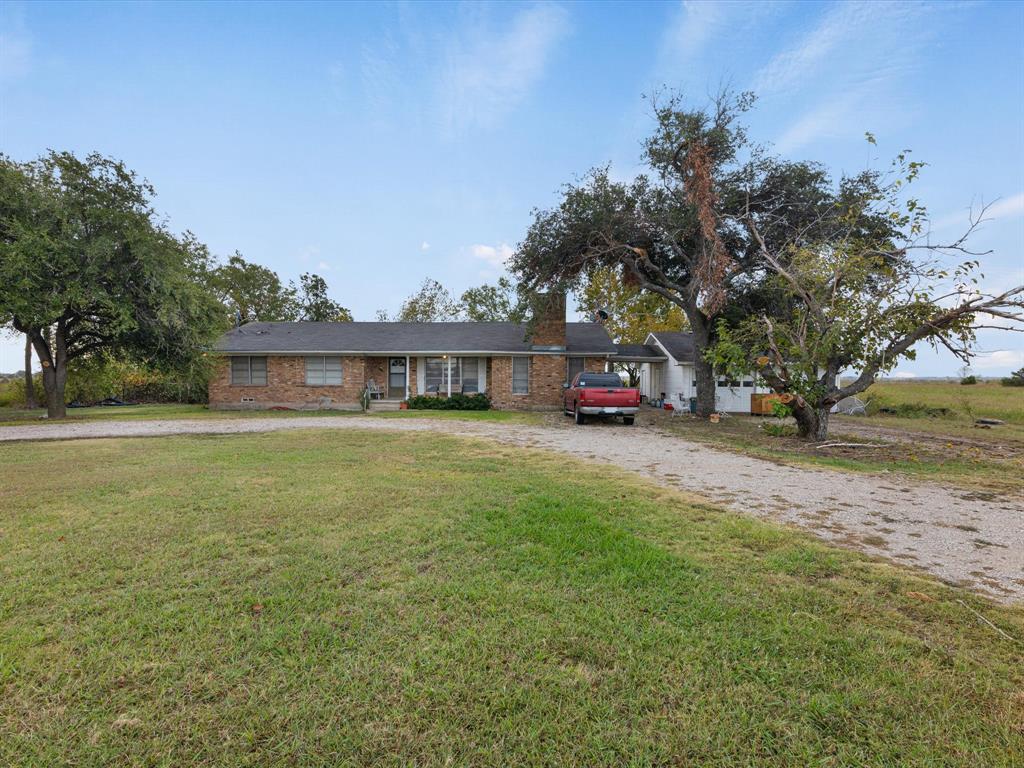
487, 74
1010, 359
859, 57
496, 256
424, 246
1007, 208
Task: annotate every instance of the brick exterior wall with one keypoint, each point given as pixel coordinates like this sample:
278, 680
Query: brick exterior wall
286, 386
549, 330
547, 373
286, 383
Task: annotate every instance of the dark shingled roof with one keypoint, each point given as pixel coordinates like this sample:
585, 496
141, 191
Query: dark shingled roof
638, 352
403, 338
678, 343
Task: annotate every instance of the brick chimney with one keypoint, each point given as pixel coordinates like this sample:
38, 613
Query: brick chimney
549, 322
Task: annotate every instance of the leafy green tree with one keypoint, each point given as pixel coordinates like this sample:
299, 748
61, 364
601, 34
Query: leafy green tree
632, 312
251, 292
494, 303
315, 305
87, 268
665, 230
858, 299
430, 304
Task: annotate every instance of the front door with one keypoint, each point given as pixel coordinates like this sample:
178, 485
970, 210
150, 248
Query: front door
396, 378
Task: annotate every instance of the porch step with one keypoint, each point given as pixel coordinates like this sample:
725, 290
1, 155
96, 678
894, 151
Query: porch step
384, 405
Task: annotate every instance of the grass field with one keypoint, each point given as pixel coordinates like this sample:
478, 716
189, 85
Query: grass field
965, 403
17, 416
318, 598
947, 448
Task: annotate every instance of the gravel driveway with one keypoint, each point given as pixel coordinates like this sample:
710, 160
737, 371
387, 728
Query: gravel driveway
959, 536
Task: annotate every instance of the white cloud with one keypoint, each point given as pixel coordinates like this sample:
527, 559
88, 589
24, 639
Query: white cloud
495, 255
791, 66
1007, 208
860, 55
1010, 359
692, 27
323, 266
823, 121
487, 75
1011, 207
424, 246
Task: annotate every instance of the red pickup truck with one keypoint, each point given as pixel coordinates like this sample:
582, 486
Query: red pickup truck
600, 394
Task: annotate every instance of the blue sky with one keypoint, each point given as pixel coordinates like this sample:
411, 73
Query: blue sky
380, 144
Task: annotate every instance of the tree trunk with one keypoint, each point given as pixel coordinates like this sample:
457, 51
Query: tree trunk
30, 385
703, 370
53, 359
811, 421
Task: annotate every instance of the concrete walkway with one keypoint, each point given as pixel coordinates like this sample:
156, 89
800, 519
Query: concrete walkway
954, 534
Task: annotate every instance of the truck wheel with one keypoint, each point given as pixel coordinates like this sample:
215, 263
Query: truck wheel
627, 420
580, 418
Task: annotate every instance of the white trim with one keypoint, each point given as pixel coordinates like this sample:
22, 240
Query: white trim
406, 377
481, 364
398, 352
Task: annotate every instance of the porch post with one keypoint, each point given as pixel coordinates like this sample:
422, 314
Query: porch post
406, 377
449, 375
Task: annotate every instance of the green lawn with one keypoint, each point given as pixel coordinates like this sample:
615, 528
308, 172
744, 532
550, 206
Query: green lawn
346, 598
19, 416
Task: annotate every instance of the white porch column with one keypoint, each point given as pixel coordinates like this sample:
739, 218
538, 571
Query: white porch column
406, 377
449, 358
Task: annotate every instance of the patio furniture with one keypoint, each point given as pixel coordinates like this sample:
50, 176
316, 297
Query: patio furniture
375, 390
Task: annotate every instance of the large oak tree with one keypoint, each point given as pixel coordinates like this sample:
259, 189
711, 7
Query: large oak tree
86, 268
664, 229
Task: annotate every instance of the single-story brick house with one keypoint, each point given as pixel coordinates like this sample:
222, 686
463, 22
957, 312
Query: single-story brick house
329, 365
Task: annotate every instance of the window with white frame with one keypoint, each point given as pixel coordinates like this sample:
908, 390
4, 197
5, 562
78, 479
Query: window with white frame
249, 371
520, 375
323, 371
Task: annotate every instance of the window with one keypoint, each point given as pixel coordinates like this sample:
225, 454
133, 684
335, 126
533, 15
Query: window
748, 382
323, 371
470, 369
520, 375
574, 366
603, 380
249, 371
463, 370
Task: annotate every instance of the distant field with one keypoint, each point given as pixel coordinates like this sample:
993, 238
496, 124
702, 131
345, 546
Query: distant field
914, 398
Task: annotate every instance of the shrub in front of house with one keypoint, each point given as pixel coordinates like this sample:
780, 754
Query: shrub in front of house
456, 402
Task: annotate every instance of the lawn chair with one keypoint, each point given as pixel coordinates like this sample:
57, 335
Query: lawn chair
375, 391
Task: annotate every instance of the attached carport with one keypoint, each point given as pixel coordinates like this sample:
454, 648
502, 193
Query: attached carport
646, 360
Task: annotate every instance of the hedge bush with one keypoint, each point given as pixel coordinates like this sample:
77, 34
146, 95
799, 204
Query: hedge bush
456, 402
